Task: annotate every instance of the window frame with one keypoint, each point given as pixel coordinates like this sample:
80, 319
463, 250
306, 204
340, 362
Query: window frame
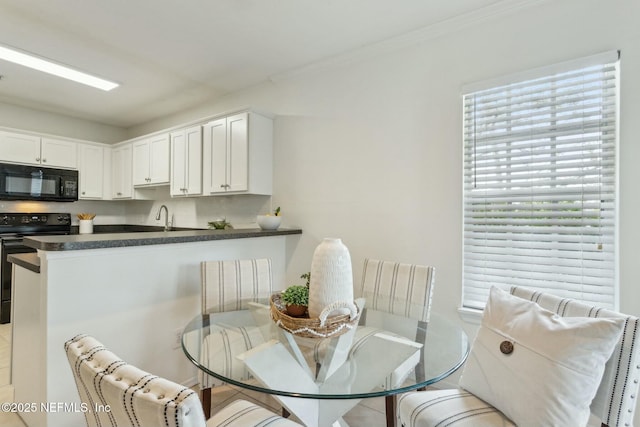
524, 79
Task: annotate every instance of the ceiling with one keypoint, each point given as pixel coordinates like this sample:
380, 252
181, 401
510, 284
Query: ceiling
169, 55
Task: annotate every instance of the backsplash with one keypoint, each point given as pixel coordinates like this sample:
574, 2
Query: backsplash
239, 210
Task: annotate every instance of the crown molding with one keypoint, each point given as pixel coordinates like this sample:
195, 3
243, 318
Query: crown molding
430, 32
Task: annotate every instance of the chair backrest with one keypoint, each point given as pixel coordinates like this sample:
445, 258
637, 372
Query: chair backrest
397, 288
232, 284
134, 397
616, 399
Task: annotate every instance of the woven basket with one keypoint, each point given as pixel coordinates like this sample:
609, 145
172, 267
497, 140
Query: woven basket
318, 327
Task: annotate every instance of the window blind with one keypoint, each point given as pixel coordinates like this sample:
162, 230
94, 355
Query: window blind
540, 185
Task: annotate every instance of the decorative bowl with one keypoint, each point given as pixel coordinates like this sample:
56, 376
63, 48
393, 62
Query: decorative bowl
269, 222
322, 327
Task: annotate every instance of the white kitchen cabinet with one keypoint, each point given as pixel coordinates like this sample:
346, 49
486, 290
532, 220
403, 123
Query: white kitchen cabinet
151, 161
36, 150
186, 162
91, 161
19, 148
59, 153
238, 155
121, 172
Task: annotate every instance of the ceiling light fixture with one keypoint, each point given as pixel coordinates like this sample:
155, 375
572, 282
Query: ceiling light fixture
31, 61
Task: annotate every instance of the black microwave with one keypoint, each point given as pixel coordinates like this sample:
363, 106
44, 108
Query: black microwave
22, 182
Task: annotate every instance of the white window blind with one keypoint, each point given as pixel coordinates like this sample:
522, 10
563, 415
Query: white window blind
540, 185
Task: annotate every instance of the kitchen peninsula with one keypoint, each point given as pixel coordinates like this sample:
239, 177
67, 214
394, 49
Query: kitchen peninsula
134, 291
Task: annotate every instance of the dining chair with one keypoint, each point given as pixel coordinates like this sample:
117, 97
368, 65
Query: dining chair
405, 290
229, 285
118, 394
615, 399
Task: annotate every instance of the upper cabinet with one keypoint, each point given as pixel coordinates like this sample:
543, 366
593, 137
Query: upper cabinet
36, 150
91, 170
121, 172
59, 153
232, 154
20, 148
186, 162
151, 161
238, 155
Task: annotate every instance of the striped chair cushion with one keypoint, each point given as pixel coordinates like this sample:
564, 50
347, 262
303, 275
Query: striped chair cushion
454, 407
135, 397
231, 285
396, 288
241, 413
616, 399
219, 350
402, 289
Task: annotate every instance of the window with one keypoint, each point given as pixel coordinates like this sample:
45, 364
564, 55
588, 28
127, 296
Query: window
540, 183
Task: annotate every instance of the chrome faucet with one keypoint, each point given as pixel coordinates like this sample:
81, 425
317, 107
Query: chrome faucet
167, 227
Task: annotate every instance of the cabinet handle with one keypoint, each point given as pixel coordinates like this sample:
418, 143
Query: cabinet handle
83, 193
37, 159
44, 160
119, 194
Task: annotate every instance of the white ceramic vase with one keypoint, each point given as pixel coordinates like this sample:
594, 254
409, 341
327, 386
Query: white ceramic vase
331, 277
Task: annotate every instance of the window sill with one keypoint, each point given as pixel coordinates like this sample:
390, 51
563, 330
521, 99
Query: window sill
470, 315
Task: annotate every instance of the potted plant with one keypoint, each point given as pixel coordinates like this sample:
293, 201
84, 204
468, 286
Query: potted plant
296, 298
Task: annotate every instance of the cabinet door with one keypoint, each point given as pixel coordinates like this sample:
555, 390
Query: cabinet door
91, 171
159, 159
193, 173
18, 148
58, 153
122, 172
178, 163
141, 163
237, 153
214, 164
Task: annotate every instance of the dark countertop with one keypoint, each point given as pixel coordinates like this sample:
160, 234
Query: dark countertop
30, 261
119, 239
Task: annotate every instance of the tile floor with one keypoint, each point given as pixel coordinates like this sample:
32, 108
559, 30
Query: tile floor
7, 419
369, 413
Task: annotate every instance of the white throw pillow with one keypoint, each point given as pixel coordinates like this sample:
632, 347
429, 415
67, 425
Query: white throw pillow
537, 368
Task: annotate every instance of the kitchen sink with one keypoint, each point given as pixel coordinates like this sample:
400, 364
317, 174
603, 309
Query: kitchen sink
132, 228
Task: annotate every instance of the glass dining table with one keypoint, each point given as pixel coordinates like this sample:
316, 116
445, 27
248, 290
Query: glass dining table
320, 379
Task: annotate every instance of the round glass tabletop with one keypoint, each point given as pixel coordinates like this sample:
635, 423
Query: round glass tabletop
385, 354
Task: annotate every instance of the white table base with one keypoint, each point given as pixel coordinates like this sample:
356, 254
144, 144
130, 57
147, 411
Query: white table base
285, 369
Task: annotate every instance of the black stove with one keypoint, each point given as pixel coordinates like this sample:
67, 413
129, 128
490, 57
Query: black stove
15, 226
31, 224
